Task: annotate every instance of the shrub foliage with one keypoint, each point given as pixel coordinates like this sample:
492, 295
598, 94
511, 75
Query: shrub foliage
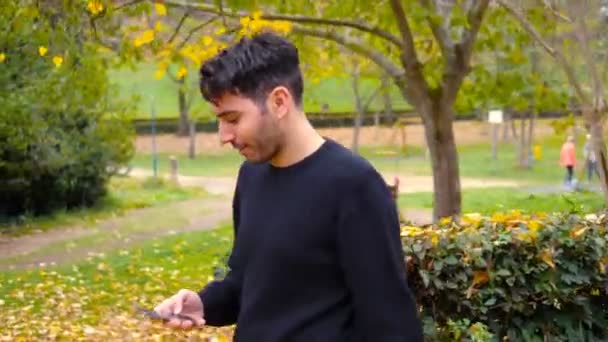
62, 131
520, 277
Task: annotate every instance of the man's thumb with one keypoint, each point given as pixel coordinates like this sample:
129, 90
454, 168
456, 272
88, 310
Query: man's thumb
179, 302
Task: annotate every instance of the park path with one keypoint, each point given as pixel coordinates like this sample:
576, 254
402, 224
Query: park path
62, 244
67, 244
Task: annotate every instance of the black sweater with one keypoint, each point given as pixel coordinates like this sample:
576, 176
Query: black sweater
317, 255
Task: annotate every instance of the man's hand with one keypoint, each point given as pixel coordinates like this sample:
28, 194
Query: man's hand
185, 303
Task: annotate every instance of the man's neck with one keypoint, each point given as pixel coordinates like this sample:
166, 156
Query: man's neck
302, 141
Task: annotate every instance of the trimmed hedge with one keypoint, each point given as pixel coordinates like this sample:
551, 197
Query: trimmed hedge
512, 276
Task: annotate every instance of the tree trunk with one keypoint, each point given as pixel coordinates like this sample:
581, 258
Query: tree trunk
531, 126
192, 141
386, 99
358, 119
183, 129
522, 141
599, 147
513, 127
505, 126
439, 133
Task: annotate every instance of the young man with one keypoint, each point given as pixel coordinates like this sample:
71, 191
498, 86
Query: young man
317, 254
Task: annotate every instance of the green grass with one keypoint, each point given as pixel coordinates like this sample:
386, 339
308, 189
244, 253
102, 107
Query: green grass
336, 92
124, 194
98, 292
489, 200
225, 164
475, 161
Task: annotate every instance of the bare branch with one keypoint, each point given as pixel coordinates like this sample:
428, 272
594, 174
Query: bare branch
127, 4
209, 8
475, 17
439, 32
549, 6
598, 87
555, 53
377, 57
179, 27
371, 98
194, 30
408, 56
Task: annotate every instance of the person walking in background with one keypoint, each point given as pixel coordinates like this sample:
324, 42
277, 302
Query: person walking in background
567, 159
590, 159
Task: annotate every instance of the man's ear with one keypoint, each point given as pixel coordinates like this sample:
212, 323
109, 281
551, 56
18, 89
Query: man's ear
280, 101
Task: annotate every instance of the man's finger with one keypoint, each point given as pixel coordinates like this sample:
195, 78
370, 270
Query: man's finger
199, 321
174, 323
186, 324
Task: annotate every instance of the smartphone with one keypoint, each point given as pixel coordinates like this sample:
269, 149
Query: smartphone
151, 314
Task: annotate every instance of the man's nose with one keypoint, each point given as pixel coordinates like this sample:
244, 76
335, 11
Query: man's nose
226, 133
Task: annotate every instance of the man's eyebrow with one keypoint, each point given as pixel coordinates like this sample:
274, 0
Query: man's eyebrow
226, 112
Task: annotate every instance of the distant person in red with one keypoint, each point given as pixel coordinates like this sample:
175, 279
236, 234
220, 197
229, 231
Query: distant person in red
567, 159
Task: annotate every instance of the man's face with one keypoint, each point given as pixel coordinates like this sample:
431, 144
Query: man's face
253, 132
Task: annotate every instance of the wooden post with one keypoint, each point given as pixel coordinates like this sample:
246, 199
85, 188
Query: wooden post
173, 161
192, 147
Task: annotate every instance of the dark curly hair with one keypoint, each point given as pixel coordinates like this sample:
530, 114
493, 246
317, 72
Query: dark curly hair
252, 68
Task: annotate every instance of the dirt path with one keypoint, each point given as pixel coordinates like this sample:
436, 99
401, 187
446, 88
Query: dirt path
71, 243
63, 245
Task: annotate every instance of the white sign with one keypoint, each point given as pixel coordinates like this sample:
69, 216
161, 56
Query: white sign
495, 116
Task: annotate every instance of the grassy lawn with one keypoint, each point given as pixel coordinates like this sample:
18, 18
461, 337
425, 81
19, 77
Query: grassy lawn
475, 161
489, 200
123, 194
225, 164
336, 92
92, 298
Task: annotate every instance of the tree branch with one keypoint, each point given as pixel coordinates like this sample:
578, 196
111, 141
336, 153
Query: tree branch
179, 27
291, 18
408, 54
583, 38
127, 4
194, 30
475, 17
555, 53
377, 57
439, 32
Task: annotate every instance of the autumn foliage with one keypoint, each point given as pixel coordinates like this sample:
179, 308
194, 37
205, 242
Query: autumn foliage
526, 277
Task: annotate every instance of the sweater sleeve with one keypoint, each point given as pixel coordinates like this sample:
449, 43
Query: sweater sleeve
371, 257
221, 298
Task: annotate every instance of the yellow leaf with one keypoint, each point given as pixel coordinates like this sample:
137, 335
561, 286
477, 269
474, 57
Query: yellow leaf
499, 218
146, 37
160, 73
445, 221
577, 232
207, 40
2, 57
547, 257
435, 239
480, 278
158, 26
182, 72
471, 218
533, 225
160, 9
528, 236
95, 7
42, 50
58, 61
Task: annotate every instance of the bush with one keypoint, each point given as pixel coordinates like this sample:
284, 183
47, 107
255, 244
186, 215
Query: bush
61, 129
523, 277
